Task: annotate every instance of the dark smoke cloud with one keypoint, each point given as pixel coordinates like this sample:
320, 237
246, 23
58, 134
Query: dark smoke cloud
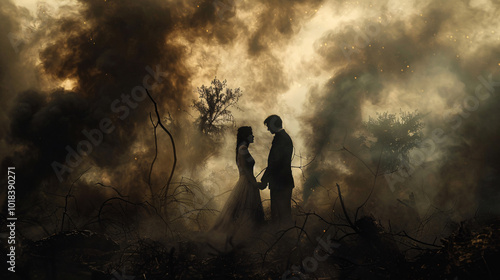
277, 22
102, 49
409, 54
105, 63
9, 63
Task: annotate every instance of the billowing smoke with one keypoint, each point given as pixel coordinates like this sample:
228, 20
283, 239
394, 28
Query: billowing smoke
435, 57
73, 88
105, 51
73, 82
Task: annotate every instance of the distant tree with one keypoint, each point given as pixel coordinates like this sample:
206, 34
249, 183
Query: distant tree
394, 137
213, 106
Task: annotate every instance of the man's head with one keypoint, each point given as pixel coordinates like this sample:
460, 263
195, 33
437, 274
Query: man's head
273, 123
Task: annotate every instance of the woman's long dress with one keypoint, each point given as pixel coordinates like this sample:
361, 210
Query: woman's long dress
243, 210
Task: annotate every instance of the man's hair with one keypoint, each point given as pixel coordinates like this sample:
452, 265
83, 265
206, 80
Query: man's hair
274, 120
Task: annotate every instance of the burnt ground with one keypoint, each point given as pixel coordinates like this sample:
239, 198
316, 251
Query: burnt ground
472, 251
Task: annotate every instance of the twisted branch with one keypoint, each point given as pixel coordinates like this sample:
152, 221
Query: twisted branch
171, 140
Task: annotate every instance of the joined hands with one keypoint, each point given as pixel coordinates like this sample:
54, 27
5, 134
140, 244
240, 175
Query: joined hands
261, 185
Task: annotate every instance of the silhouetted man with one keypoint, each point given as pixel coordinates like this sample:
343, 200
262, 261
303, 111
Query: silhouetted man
279, 172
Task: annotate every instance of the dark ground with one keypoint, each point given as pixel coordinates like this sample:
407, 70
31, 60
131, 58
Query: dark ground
472, 251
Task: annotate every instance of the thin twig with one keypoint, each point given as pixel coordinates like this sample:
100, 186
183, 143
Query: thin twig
373, 187
65, 213
283, 232
305, 165
115, 198
111, 187
155, 157
418, 241
354, 155
345, 211
171, 140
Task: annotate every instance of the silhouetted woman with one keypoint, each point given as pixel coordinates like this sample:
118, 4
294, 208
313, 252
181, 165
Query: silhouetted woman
243, 209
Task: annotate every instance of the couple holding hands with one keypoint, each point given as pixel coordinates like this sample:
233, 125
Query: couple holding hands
244, 209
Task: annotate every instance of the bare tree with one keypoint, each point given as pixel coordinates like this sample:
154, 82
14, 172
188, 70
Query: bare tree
213, 105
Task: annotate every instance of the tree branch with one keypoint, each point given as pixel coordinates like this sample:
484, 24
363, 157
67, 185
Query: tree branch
171, 140
345, 211
155, 157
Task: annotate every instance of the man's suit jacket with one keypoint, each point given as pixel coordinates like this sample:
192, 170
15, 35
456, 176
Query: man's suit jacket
279, 162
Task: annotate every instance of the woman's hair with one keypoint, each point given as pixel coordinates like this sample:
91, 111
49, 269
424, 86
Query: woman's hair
243, 135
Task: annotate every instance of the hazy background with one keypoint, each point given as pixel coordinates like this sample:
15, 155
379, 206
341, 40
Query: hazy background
323, 66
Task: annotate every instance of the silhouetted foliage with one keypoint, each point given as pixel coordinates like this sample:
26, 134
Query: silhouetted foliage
213, 105
394, 137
